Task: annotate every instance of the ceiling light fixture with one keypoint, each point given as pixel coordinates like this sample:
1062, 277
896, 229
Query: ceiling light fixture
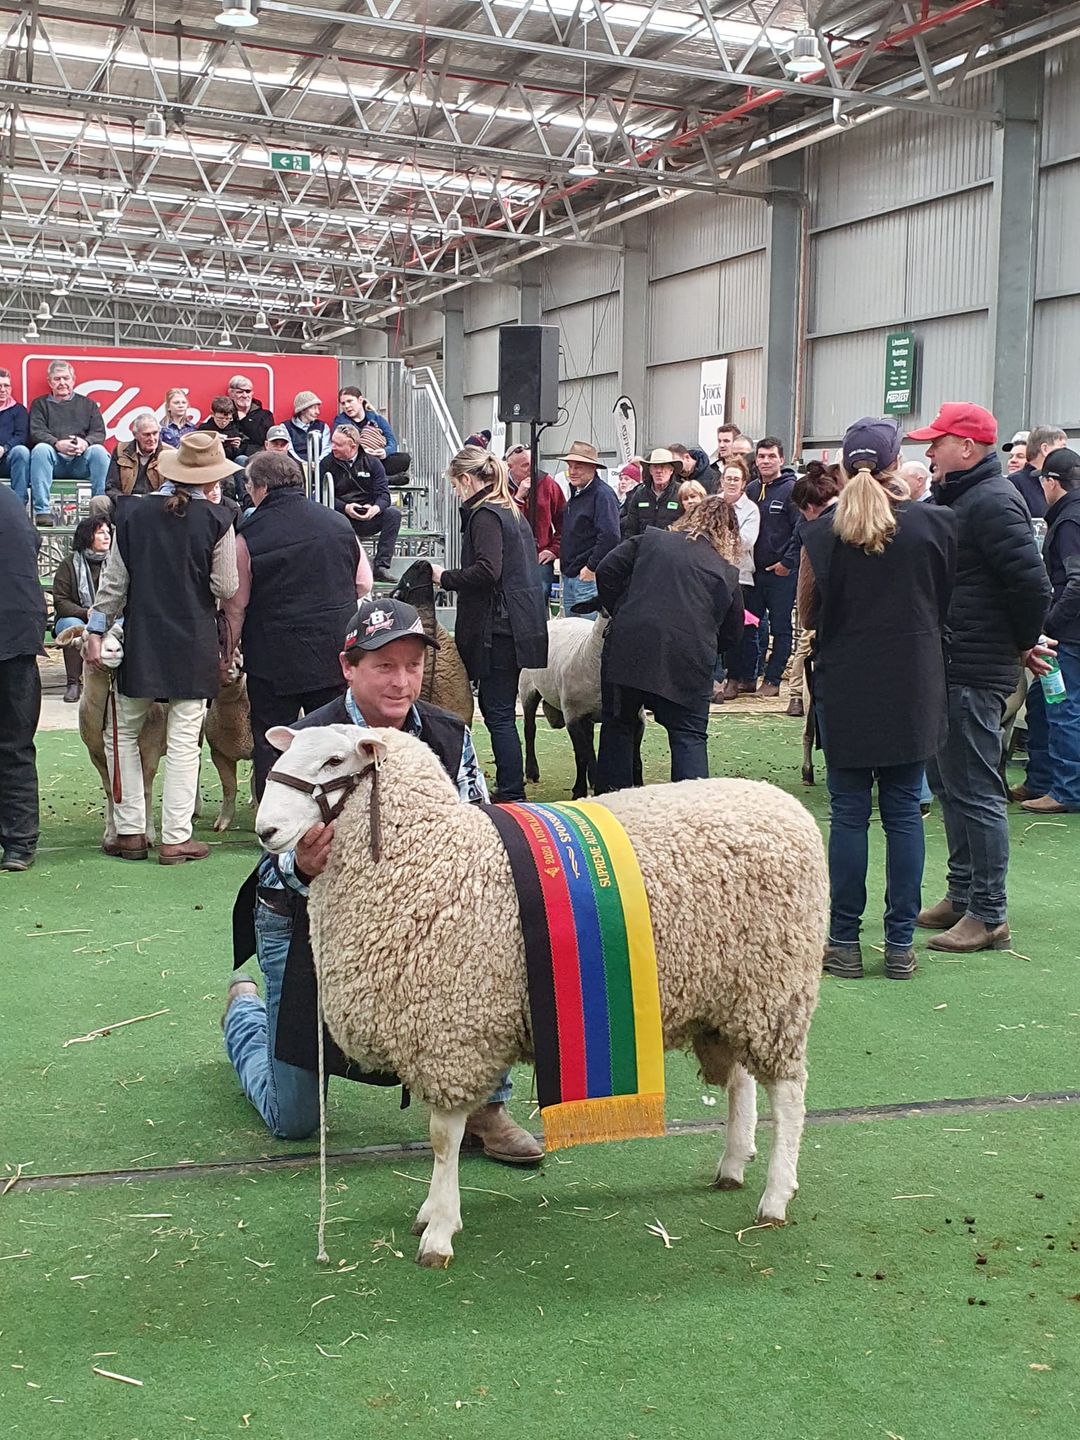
224, 339
81, 252
453, 225
59, 288
584, 166
365, 268
31, 332
109, 208
44, 314
804, 57
261, 322
238, 14
154, 129
307, 302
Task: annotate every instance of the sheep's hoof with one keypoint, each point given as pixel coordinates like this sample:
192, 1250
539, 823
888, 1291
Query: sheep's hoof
222, 823
432, 1260
418, 1226
764, 1218
727, 1182
533, 777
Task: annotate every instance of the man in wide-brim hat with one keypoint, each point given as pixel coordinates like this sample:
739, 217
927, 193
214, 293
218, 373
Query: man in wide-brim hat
173, 557
655, 502
590, 524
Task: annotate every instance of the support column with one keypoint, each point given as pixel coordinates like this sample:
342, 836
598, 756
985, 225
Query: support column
454, 356
1016, 208
634, 300
784, 265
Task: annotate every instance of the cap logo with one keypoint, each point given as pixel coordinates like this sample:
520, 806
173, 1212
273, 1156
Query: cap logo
378, 620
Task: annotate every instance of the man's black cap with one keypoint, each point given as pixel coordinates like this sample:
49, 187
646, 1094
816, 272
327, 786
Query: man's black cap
1059, 463
380, 620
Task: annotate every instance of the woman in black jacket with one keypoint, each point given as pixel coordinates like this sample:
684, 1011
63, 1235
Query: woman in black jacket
501, 626
675, 604
882, 575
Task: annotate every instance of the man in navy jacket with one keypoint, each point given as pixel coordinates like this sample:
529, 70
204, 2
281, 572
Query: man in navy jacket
590, 524
776, 557
14, 439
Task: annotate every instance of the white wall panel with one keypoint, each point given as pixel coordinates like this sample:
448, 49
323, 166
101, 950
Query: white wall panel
1061, 103
571, 275
857, 275
1055, 393
684, 317
742, 298
671, 399
589, 336
487, 305
898, 159
1058, 266
588, 405
478, 413
481, 361
949, 252
425, 325
702, 229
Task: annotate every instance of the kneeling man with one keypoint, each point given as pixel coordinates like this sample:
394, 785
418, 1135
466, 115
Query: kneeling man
273, 1043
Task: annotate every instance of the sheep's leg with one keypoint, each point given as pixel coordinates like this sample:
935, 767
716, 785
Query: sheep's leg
581, 737
109, 838
532, 769
787, 1099
439, 1218
149, 774
739, 1138
226, 769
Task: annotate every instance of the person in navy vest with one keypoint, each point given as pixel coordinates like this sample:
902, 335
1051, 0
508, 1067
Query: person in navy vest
22, 629
14, 439
288, 614
273, 1043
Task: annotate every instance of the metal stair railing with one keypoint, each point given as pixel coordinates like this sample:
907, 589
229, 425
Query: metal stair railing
432, 439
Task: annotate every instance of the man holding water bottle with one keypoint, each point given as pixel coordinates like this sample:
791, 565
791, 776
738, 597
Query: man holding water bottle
1053, 708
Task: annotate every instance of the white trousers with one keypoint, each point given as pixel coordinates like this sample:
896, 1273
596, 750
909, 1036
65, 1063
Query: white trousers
184, 719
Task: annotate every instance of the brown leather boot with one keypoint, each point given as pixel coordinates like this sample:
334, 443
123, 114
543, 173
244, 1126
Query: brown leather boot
768, 691
942, 916
127, 847
501, 1138
969, 935
795, 707
177, 854
732, 690
73, 671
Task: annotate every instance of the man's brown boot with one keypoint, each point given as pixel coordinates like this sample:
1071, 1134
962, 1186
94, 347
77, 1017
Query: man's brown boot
177, 854
969, 935
127, 847
501, 1137
732, 690
768, 691
942, 916
795, 707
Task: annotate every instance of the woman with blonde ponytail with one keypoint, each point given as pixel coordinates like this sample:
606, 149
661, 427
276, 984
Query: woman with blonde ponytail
880, 577
501, 625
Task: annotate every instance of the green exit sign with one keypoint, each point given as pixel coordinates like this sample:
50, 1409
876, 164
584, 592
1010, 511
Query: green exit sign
292, 160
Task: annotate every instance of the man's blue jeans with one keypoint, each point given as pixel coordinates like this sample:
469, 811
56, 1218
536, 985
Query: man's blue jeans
964, 775
15, 466
1054, 735
285, 1096
687, 729
47, 465
574, 590
850, 796
775, 596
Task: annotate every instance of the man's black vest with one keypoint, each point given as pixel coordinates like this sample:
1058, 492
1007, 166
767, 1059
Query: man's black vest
303, 592
22, 604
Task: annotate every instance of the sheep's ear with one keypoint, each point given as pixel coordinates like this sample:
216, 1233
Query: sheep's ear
73, 635
370, 747
281, 737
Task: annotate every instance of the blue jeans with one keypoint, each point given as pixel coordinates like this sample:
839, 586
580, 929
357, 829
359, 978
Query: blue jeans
15, 466
687, 729
47, 465
285, 1096
547, 578
964, 776
775, 596
1054, 735
497, 694
67, 622
574, 591
850, 796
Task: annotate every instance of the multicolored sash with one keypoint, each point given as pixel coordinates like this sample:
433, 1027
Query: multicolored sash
593, 990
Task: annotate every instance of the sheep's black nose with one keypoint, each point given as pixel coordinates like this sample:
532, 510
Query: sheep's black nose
267, 833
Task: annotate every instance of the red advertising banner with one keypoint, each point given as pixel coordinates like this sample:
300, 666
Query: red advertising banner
126, 382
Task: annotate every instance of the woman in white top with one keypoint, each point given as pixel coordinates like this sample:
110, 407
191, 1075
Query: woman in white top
741, 663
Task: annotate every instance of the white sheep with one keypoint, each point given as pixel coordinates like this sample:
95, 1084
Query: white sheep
96, 720
568, 688
422, 961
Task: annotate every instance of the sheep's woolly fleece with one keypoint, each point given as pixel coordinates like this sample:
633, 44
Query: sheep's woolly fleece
423, 961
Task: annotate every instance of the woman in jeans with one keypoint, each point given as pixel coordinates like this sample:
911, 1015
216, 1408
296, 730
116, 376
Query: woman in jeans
501, 624
881, 574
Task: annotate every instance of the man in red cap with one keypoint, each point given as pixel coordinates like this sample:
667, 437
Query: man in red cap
995, 618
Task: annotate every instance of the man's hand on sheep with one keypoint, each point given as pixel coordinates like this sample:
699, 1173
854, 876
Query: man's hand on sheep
92, 653
313, 851
436, 574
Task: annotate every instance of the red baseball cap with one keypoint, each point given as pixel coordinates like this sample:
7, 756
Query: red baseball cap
969, 422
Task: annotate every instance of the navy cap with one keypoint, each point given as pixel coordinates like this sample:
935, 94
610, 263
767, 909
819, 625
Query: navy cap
1059, 463
871, 443
380, 620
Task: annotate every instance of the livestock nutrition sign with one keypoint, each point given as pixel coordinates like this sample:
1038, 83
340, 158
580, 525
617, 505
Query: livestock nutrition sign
899, 373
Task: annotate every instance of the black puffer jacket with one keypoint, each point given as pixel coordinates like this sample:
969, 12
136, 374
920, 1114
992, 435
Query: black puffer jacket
1002, 592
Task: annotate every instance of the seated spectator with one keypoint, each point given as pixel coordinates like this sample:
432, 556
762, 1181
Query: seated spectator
675, 604
278, 441
691, 493
67, 436
376, 437
628, 478
179, 418
362, 495
222, 422
694, 464
74, 588
305, 427
252, 418
14, 435
655, 502
550, 503
133, 469
740, 662
1027, 452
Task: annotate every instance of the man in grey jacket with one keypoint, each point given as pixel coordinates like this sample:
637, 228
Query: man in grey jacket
67, 439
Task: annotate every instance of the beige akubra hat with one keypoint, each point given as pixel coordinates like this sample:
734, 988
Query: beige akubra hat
660, 457
200, 460
582, 450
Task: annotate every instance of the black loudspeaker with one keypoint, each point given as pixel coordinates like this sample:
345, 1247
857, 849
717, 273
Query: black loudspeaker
529, 374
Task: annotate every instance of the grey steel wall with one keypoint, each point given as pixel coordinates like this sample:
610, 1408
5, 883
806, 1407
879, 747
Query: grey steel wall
1055, 368
581, 293
486, 308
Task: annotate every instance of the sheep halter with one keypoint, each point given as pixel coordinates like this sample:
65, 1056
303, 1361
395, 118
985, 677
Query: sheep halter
346, 784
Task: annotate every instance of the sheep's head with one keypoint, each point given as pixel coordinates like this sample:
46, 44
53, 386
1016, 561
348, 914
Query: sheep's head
112, 643
323, 766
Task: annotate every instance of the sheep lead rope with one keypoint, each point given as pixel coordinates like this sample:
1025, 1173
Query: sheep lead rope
117, 778
322, 1256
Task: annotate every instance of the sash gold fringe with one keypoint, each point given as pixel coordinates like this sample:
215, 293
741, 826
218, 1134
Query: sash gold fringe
588, 1122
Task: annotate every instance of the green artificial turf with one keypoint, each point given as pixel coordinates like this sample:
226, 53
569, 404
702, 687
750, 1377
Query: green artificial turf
928, 1286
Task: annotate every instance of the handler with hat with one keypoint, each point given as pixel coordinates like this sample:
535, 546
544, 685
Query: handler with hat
273, 1043
173, 557
655, 502
590, 524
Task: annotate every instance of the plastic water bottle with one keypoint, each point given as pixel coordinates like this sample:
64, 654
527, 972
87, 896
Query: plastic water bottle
1053, 682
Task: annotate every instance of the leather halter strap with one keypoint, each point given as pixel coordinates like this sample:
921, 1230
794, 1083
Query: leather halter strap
346, 784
